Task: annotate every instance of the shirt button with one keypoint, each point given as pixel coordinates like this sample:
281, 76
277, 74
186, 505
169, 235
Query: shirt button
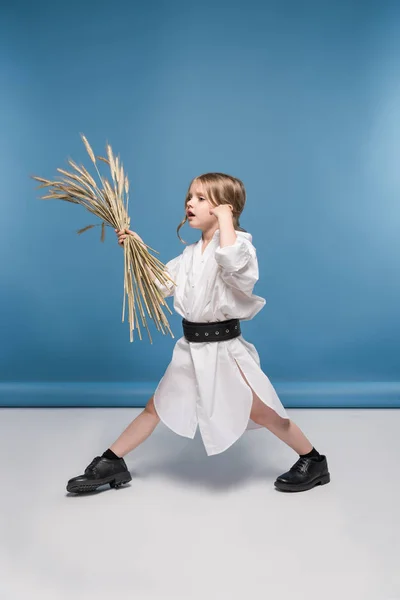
192, 285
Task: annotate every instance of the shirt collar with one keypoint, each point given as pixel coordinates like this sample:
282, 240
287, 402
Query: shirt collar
214, 237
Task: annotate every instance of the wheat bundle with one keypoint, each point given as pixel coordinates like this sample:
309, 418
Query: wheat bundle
109, 201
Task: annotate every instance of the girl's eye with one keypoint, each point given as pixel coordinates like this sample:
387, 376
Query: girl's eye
200, 198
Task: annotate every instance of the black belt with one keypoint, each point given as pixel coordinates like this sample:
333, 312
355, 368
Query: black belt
218, 331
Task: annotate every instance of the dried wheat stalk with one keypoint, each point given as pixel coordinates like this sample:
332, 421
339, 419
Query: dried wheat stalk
109, 201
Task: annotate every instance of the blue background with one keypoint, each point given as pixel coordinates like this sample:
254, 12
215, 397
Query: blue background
301, 100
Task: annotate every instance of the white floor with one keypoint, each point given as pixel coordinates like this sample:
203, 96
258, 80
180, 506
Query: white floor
191, 526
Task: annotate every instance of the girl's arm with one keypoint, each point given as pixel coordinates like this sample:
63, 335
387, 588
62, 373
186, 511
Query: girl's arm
171, 269
236, 256
227, 233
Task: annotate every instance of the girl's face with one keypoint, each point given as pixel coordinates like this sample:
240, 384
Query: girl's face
198, 206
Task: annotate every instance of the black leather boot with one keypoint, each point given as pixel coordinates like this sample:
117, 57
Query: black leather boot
101, 471
304, 475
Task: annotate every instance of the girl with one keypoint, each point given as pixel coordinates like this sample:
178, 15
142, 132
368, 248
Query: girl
214, 380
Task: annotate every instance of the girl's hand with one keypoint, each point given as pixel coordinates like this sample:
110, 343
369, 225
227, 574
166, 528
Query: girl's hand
222, 210
123, 233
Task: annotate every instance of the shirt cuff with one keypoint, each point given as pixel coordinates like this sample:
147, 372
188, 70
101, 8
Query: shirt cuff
233, 258
165, 288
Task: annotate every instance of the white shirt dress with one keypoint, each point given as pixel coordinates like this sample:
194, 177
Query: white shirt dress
202, 386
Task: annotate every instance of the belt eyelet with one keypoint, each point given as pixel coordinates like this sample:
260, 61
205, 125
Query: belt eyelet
206, 334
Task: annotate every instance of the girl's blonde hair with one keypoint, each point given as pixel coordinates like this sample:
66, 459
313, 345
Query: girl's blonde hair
220, 188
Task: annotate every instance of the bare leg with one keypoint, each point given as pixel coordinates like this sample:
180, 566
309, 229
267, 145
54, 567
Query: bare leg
138, 431
284, 429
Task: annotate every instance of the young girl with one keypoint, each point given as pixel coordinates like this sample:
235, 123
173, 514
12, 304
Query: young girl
214, 380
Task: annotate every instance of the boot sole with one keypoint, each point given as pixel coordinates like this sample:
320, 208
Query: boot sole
288, 487
114, 482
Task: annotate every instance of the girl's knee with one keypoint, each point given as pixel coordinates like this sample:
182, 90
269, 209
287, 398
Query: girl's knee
266, 416
150, 408
283, 424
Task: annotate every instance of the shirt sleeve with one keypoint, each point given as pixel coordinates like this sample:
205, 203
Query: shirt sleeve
238, 265
171, 269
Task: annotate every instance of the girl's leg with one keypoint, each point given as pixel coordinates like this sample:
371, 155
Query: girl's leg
284, 429
308, 471
112, 469
137, 431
